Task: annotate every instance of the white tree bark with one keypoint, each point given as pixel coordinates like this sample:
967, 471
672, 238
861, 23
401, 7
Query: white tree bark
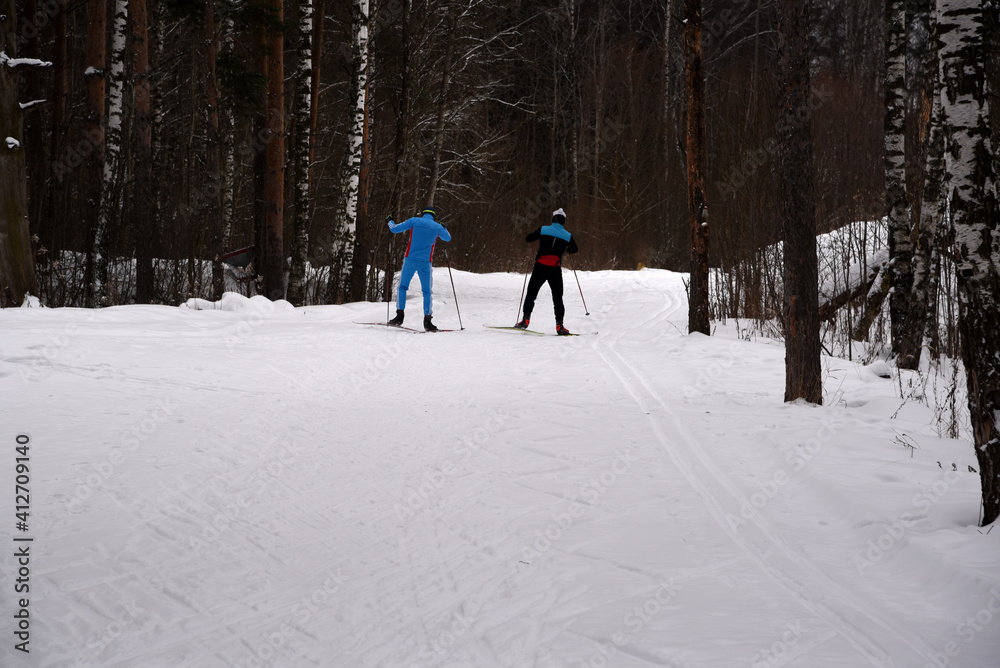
347, 210
110, 202
976, 225
300, 153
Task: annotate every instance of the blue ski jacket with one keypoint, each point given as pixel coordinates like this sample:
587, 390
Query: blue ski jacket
424, 233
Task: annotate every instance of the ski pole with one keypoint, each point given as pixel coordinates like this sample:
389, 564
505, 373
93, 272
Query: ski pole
523, 287
452, 279
581, 292
388, 284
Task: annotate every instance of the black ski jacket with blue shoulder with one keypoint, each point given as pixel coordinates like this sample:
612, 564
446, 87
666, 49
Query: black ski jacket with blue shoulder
555, 241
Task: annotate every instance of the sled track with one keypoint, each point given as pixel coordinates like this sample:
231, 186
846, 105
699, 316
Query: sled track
761, 544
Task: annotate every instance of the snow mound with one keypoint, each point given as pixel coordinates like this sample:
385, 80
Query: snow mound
879, 369
237, 303
31, 301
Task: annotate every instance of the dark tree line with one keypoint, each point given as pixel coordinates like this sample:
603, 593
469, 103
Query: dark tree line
497, 112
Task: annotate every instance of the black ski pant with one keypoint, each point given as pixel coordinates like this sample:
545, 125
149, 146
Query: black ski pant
539, 275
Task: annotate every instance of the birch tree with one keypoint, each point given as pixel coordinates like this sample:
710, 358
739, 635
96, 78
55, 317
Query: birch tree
301, 150
108, 214
698, 320
973, 205
922, 319
796, 206
896, 209
17, 266
95, 126
347, 208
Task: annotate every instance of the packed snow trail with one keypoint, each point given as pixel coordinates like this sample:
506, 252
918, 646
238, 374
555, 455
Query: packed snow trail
256, 485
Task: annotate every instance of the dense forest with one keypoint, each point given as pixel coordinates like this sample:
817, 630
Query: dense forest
498, 112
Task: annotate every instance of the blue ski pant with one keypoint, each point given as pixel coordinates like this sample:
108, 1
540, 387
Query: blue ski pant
422, 269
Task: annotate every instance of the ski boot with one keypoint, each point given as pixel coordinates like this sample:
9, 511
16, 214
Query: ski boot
562, 331
523, 324
428, 325
398, 320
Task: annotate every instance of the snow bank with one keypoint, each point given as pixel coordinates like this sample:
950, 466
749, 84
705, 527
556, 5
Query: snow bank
237, 303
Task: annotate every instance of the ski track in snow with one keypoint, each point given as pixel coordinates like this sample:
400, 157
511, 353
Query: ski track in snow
726, 501
319, 493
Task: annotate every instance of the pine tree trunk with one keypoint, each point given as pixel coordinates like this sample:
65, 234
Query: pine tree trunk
213, 161
33, 142
347, 208
973, 206
144, 220
698, 320
274, 254
301, 149
55, 194
402, 143
17, 266
796, 206
95, 125
897, 213
442, 104
258, 149
108, 216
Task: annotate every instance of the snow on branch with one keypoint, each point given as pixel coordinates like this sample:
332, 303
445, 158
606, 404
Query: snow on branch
22, 62
12, 143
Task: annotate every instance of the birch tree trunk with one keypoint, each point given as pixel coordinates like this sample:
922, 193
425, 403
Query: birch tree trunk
924, 238
17, 266
274, 190
796, 206
698, 320
109, 213
144, 216
301, 150
974, 216
95, 125
347, 208
897, 213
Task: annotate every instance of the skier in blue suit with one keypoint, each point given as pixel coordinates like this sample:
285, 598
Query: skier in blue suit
424, 233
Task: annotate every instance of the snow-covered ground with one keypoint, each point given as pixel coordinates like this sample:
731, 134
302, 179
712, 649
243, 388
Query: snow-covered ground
259, 485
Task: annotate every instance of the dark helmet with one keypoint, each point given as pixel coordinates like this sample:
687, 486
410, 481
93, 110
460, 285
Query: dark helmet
429, 210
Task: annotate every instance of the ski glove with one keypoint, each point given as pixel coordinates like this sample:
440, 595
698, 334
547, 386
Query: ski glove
389, 219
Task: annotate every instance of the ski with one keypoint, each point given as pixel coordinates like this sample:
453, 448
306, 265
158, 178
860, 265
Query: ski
530, 331
408, 329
